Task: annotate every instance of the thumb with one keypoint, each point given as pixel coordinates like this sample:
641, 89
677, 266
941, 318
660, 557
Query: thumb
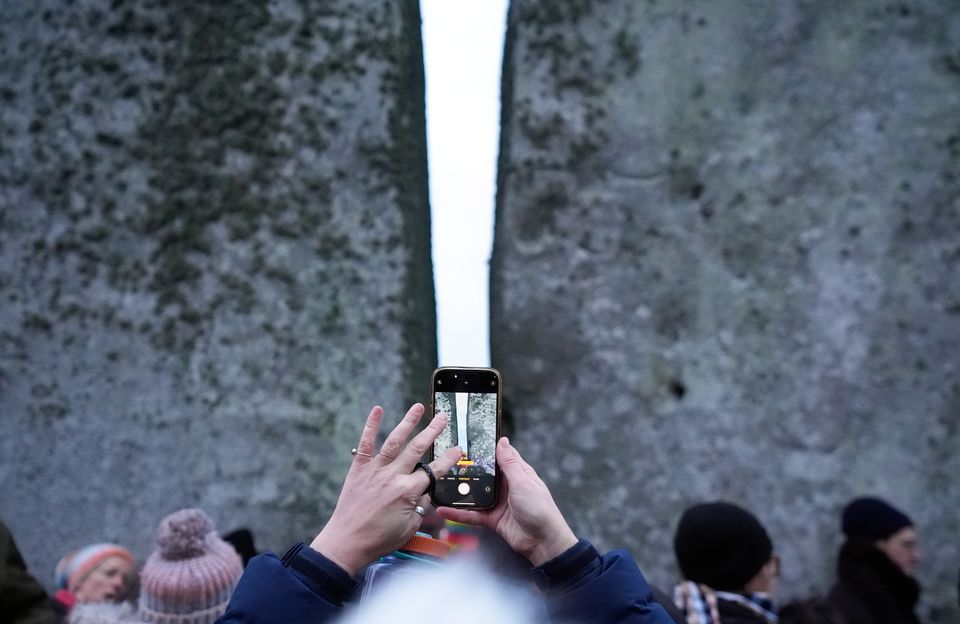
511, 465
463, 516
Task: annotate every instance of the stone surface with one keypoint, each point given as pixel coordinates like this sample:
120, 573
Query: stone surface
725, 266
214, 260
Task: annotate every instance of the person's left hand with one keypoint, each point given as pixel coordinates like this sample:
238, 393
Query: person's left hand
526, 516
375, 513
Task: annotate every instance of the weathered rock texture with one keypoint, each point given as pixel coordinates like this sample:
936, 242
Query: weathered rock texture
725, 266
214, 259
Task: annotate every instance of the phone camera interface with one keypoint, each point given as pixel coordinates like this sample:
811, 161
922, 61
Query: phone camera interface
471, 425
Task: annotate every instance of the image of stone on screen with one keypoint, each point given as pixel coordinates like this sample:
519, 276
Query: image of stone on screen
472, 425
445, 403
482, 430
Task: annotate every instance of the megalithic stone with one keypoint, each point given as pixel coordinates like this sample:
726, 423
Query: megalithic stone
481, 429
445, 403
214, 233
725, 266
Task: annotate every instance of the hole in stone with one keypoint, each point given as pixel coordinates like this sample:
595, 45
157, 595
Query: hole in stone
677, 388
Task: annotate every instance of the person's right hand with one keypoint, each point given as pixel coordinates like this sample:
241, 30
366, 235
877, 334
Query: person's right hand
377, 509
526, 516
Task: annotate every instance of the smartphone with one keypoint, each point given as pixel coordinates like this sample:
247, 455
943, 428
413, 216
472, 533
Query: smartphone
471, 398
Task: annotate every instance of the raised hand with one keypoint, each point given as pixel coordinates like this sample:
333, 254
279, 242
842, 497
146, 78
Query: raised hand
526, 516
382, 498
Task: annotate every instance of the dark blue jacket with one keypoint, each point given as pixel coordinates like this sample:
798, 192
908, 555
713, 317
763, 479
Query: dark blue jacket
579, 586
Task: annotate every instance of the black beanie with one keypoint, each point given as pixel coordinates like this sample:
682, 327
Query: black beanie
873, 519
721, 545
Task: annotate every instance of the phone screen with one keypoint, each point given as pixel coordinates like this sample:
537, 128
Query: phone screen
471, 399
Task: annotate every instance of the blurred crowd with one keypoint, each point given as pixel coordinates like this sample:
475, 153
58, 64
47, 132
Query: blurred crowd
383, 523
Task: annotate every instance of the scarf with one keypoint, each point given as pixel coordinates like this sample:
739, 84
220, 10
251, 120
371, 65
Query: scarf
698, 603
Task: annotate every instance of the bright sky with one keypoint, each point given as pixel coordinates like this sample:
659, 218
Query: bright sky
463, 49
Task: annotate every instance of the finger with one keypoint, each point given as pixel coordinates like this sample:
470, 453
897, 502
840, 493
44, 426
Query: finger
442, 465
394, 442
529, 471
488, 517
368, 437
464, 516
423, 502
439, 466
518, 458
422, 441
512, 467
511, 464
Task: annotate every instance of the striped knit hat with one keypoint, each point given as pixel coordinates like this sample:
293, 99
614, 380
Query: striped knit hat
73, 568
191, 575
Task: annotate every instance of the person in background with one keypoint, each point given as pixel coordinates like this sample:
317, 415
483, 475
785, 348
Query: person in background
94, 573
875, 566
815, 610
190, 576
242, 541
381, 504
22, 599
730, 572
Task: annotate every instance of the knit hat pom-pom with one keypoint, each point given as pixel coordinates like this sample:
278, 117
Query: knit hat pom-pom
183, 533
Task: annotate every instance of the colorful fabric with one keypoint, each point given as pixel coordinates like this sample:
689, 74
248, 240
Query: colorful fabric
701, 605
759, 603
698, 603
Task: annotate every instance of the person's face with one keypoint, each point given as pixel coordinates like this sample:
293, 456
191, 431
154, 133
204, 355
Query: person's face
108, 582
766, 579
903, 549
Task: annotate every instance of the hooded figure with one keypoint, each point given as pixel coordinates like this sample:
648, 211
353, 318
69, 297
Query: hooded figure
875, 583
22, 597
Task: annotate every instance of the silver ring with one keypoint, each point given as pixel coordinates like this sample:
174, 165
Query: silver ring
419, 510
356, 452
390, 457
